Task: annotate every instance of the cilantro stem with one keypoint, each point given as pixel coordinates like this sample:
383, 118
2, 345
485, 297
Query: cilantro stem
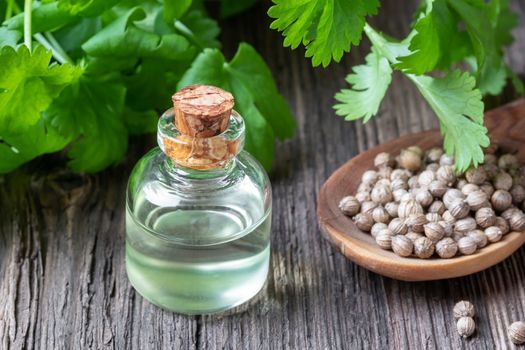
57, 47
56, 54
9, 9
184, 30
28, 9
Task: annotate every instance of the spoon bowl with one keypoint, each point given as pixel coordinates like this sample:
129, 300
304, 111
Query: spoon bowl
507, 128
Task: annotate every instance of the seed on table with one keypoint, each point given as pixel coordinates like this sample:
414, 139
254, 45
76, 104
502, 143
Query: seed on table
479, 237
423, 247
516, 332
493, 234
402, 245
466, 326
467, 245
463, 308
446, 248
349, 205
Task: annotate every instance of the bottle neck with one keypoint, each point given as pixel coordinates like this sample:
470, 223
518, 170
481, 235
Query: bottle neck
200, 157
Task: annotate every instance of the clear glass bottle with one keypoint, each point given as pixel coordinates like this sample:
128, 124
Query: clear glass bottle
198, 211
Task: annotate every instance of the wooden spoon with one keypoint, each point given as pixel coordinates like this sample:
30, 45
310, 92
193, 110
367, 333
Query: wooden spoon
507, 128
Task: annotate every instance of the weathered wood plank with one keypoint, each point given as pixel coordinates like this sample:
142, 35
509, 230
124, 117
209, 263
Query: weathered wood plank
63, 282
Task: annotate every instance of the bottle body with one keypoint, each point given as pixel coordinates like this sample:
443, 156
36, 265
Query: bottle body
197, 242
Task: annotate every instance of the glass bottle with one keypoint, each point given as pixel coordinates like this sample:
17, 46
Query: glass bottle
198, 210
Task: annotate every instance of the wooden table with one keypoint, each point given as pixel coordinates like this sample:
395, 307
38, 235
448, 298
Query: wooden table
63, 283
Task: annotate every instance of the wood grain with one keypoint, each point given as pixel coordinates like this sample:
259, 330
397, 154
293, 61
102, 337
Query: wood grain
63, 283
505, 124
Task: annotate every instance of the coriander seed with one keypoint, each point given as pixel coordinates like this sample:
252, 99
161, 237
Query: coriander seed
479, 237
402, 245
409, 207
446, 248
476, 175
424, 197
363, 197
493, 234
377, 227
370, 177
517, 221
384, 159
507, 161
446, 160
437, 188
467, 245
477, 199
459, 209
364, 221
434, 231
384, 239
381, 194
426, 177
485, 217
466, 326
516, 332
398, 226
392, 208
446, 174
502, 181
501, 200
437, 207
465, 225
502, 224
379, 214
463, 308
409, 160
518, 193
349, 205
423, 247
416, 222
368, 207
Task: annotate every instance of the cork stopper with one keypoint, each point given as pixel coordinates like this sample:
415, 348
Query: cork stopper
202, 110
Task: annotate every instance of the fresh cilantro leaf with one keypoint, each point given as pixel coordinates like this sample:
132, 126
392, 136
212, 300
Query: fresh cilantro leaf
72, 36
86, 8
434, 31
326, 27
459, 107
503, 20
140, 122
28, 85
16, 148
233, 7
9, 37
122, 38
44, 17
369, 84
199, 29
257, 100
175, 9
93, 109
490, 67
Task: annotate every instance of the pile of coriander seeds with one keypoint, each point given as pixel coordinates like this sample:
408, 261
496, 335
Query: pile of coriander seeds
417, 205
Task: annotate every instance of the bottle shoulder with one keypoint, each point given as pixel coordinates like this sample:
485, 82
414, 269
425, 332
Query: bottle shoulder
244, 184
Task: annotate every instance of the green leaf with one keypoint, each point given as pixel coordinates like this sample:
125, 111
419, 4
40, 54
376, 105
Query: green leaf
122, 38
369, 84
459, 107
490, 67
86, 8
257, 100
17, 148
93, 109
9, 37
44, 17
233, 7
326, 27
199, 29
28, 85
175, 9
140, 122
72, 36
